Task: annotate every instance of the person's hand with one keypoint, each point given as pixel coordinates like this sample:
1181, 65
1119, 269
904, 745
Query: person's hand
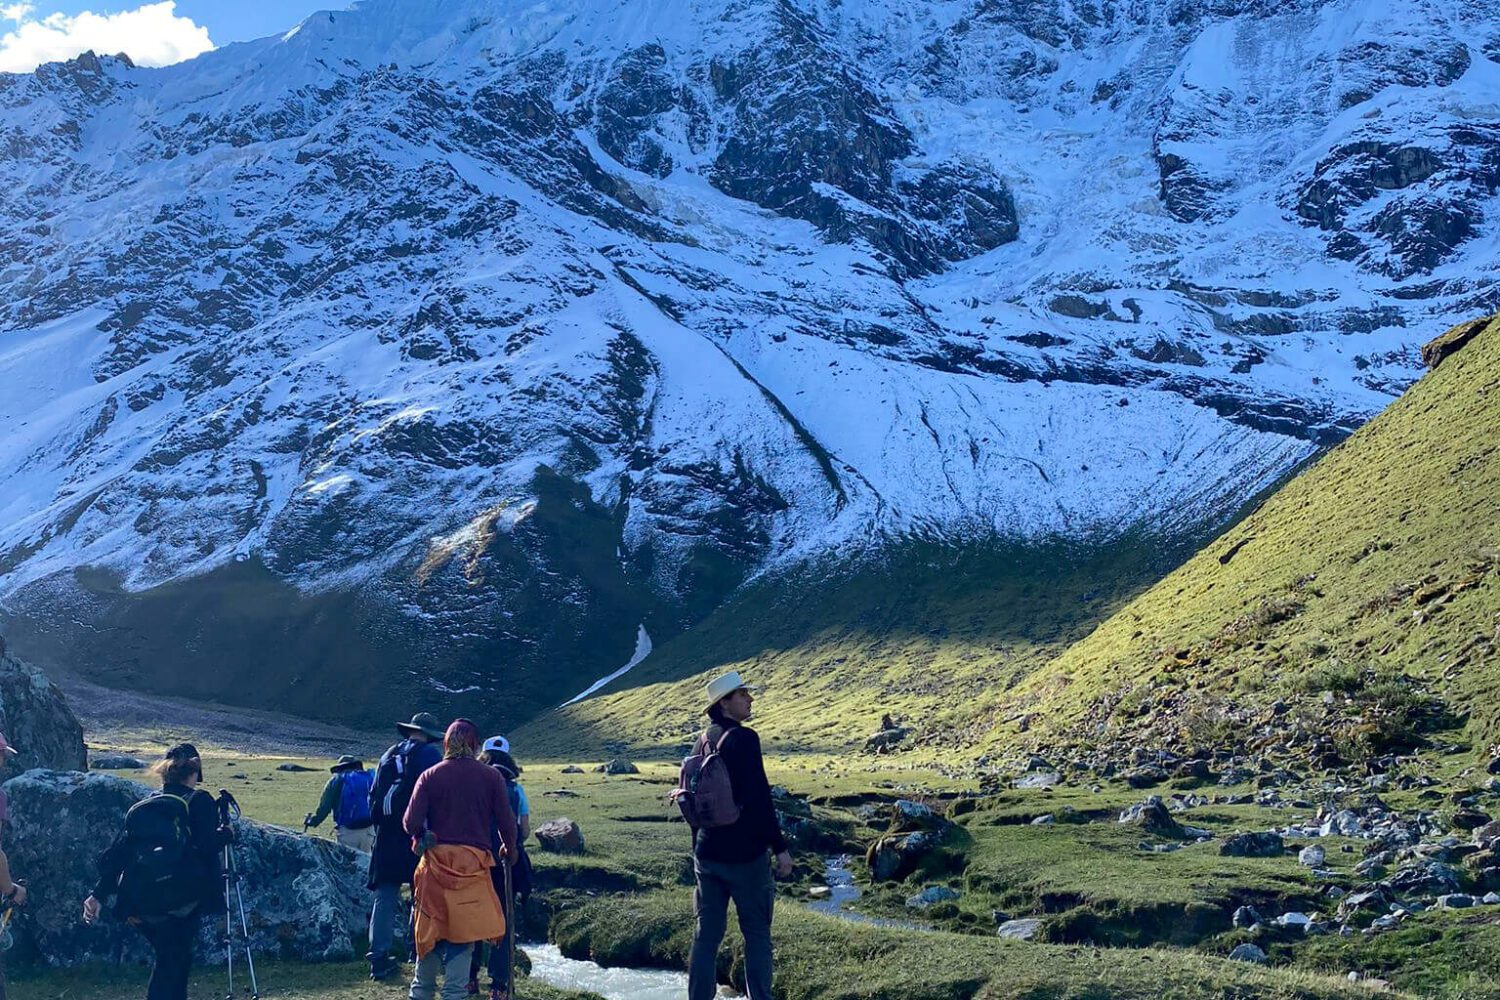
90, 909
784, 865
19, 896
307, 821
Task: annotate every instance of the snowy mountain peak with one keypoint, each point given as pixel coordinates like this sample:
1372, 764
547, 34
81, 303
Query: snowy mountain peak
470, 337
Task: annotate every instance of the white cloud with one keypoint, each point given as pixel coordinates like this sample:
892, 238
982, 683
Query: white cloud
152, 35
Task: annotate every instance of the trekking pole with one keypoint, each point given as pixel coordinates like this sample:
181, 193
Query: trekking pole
510, 930
225, 860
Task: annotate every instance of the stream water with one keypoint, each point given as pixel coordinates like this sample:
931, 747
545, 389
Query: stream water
550, 966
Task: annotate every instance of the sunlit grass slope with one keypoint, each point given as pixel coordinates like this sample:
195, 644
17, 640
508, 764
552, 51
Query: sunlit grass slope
1371, 577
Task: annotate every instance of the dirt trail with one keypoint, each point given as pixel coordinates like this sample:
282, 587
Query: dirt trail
131, 721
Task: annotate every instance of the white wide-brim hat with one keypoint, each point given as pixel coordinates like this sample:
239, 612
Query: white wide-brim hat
725, 685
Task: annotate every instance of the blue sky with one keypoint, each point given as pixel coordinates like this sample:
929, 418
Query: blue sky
226, 20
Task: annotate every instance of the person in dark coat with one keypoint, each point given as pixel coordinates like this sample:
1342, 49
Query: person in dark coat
734, 861
171, 935
392, 862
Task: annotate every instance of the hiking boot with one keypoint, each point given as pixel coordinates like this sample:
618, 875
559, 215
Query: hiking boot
383, 970
497, 993
473, 988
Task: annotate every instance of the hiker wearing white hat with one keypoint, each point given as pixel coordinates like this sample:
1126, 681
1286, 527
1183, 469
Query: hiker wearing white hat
732, 860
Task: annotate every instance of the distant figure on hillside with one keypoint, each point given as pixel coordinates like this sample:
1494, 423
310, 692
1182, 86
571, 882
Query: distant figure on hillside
164, 870
496, 754
732, 841
459, 814
392, 862
347, 796
12, 893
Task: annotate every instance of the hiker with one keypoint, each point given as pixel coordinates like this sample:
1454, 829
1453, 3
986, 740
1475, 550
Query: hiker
730, 859
455, 814
496, 754
392, 861
163, 869
347, 796
12, 893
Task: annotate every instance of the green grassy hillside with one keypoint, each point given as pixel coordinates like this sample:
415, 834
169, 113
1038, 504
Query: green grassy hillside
1362, 595
933, 634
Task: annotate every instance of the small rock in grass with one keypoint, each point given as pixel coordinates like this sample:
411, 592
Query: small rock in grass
1312, 857
293, 768
571, 769
618, 766
115, 762
1456, 901
820, 892
1300, 920
1253, 845
1000, 917
1248, 953
560, 836
1020, 930
931, 896
1246, 916
1039, 779
1047, 820
1491, 899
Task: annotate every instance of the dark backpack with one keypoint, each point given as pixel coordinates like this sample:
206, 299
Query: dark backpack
704, 791
161, 876
394, 782
352, 812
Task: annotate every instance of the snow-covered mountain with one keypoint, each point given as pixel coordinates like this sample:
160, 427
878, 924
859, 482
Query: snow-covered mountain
452, 341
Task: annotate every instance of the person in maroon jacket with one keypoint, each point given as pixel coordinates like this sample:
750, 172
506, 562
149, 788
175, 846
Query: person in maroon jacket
734, 861
462, 802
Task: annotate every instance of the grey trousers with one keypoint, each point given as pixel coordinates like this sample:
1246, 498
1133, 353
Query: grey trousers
754, 893
452, 960
384, 914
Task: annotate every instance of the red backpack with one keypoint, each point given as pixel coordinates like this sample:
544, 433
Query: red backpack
704, 792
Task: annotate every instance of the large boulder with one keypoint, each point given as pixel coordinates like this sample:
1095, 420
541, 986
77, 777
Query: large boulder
560, 836
36, 719
305, 897
1253, 845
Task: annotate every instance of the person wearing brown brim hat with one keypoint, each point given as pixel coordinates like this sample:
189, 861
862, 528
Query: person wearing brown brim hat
422, 724
392, 862
732, 861
347, 796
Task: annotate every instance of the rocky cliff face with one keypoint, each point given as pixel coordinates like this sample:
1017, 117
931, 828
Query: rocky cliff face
452, 343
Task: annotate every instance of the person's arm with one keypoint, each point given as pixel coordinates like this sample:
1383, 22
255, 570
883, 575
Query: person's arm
415, 820
327, 802
110, 866
753, 789
502, 816
523, 821
9, 888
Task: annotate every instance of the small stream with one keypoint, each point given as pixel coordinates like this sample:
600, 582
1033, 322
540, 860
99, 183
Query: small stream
549, 965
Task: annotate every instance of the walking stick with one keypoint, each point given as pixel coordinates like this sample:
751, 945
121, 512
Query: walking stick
510, 930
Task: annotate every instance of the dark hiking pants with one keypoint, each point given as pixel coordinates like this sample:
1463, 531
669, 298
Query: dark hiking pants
172, 941
749, 884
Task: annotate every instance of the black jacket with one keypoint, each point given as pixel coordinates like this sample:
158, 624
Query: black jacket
392, 861
204, 841
757, 830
